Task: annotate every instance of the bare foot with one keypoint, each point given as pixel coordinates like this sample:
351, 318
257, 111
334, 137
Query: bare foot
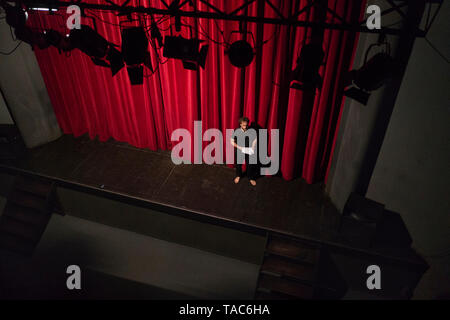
253, 182
236, 180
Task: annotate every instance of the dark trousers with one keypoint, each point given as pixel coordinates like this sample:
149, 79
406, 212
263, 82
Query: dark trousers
252, 169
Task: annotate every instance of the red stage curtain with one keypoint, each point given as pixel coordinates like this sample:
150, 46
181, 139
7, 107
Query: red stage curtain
87, 99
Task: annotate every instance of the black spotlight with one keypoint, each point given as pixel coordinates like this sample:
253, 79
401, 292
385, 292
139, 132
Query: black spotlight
306, 74
54, 38
240, 53
102, 52
115, 59
371, 76
89, 41
16, 16
186, 50
40, 40
357, 94
135, 54
27, 35
136, 74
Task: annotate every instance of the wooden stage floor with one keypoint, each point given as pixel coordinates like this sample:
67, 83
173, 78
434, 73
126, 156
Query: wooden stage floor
198, 191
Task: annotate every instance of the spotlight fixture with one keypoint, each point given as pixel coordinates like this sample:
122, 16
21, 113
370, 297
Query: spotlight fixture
135, 54
16, 16
27, 35
115, 59
371, 76
187, 50
240, 52
306, 74
40, 40
53, 37
102, 52
89, 41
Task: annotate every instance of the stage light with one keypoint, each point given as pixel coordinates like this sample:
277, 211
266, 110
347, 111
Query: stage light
201, 60
16, 16
102, 52
135, 54
180, 48
186, 50
89, 41
371, 76
306, 74
357, 94
115, 59
53, 37
136, 74
40, 41
134, 45
374, 72
240, 53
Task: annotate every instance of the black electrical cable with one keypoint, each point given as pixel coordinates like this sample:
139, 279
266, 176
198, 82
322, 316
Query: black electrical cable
102, 20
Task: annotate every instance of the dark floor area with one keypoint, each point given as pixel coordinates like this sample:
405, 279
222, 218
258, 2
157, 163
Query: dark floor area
207, 193
289, 207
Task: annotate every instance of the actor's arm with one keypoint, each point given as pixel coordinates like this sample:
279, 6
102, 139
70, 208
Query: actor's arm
254, 144
234, 144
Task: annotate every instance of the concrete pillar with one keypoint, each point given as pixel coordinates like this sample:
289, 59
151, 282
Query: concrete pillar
25, 92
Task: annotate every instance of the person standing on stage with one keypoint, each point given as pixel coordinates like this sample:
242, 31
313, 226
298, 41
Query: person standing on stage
244, 141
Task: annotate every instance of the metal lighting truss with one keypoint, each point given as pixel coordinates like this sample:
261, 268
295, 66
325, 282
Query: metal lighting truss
188, 8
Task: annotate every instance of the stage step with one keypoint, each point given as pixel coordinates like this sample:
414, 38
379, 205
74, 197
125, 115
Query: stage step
289, 270
283, 267
292, 249
26, 214
272, 284
33, 186
28, 200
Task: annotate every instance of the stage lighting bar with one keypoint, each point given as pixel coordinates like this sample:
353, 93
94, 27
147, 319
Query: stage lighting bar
217, 14
44, 9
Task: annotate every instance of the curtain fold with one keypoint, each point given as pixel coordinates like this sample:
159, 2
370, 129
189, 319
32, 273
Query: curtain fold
87, 99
